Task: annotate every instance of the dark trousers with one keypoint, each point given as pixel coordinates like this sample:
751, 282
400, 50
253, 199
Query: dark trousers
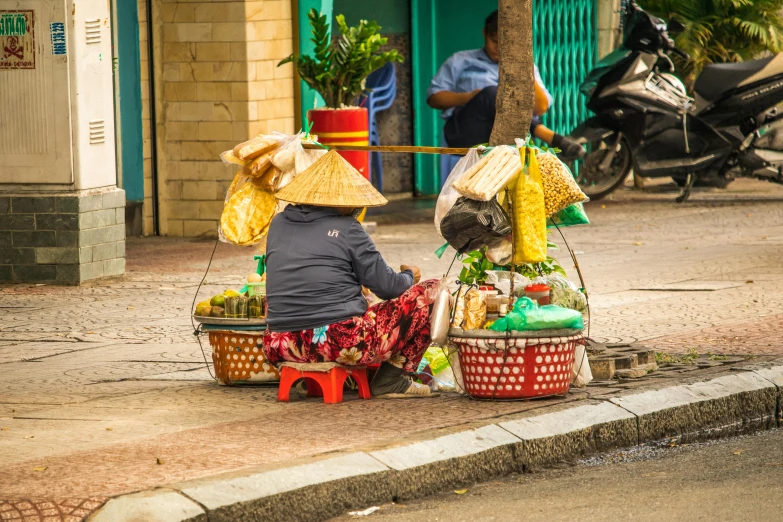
471, 124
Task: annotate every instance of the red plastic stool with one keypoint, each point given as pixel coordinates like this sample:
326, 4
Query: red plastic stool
323, 380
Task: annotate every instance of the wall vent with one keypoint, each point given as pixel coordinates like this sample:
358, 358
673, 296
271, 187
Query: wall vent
93, 31
97, 132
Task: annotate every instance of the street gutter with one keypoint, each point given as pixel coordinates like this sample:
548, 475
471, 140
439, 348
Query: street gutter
319, 488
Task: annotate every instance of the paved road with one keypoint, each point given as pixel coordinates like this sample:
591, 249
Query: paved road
738, 479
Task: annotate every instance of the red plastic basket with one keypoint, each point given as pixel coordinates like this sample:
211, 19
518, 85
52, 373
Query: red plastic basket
516, 367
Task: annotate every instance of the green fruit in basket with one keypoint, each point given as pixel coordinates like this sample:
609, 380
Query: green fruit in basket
203, 309
218, 300
231, 293
217, 311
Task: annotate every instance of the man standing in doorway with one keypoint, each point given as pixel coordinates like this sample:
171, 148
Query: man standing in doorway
465, 89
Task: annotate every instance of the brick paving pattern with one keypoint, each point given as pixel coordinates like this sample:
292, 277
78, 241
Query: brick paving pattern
98, 382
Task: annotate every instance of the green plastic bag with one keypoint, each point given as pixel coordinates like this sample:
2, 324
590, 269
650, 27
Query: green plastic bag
571, 215
436, 358
527, 315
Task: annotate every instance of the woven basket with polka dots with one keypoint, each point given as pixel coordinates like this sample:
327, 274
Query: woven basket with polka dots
238, 357
516, 368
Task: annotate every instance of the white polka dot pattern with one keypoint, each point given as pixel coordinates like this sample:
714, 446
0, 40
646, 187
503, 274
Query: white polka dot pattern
516, 368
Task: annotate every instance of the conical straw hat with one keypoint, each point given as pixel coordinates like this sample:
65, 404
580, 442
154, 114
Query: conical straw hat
331, 182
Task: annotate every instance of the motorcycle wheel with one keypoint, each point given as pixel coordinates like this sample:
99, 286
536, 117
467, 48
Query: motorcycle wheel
596, 184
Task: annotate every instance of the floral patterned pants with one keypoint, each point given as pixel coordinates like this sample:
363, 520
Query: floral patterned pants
397, 331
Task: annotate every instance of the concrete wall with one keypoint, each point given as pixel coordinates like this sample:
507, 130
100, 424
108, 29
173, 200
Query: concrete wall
216, 83
608, 20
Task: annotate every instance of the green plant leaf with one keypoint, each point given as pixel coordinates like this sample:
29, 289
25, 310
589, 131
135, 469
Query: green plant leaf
338, 67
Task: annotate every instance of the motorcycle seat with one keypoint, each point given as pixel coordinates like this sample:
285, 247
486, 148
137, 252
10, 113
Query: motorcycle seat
719, 78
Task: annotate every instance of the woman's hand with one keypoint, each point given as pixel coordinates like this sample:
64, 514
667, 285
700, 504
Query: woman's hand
414, 270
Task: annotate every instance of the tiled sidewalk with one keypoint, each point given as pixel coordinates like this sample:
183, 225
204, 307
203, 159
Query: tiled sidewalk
98, 384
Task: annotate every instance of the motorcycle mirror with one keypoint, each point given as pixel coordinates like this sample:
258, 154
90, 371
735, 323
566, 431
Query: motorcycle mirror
675, 26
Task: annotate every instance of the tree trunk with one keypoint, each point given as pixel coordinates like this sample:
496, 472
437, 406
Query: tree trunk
516, 88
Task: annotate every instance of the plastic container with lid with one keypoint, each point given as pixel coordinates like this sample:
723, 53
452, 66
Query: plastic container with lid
493, 303
538, 293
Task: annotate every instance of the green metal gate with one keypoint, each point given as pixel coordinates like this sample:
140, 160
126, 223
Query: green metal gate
564, 48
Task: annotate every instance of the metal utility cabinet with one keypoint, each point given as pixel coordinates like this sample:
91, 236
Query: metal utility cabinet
61, 213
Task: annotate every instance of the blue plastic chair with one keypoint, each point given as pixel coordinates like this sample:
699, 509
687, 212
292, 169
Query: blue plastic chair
382, 89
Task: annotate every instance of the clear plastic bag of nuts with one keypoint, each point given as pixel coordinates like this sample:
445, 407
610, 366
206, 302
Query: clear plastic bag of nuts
560, 188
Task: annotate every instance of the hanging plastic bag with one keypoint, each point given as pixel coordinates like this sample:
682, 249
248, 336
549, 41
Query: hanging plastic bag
471, 225
292, 159
501, 279
247, 214
528, 218
581, 374
456, 369
527, 316
441, 314
560, 187
564, 292
571, 215
500, 252
256, 147
448, 196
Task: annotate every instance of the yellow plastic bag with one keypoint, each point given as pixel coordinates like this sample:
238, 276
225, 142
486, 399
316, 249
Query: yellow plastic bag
528, 214
247, 213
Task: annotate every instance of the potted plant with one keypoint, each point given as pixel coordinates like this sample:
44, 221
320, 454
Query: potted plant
337, 71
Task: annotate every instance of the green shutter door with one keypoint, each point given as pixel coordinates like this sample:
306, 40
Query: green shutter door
565, 47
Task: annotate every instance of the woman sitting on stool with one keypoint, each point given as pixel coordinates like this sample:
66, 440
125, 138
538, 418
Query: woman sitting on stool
319, 258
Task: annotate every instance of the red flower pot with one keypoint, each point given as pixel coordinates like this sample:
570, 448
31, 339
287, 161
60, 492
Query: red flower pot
344, 127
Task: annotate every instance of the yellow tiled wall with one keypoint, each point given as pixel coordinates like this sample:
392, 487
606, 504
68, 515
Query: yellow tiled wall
220, 85
147, 225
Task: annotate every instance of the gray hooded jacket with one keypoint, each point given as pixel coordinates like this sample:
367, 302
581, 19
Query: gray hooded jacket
317, 262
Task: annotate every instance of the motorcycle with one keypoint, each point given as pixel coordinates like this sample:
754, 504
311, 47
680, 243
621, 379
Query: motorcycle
645, 119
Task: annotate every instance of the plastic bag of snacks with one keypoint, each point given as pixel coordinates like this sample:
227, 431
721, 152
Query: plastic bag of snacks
471, 225
491, 174
247, 214
563, 292
527, 214
459, 306
501, 279
448, 196
292, 159
560, 187
441, 314
500, 252
527, 315
571, 215
475, 309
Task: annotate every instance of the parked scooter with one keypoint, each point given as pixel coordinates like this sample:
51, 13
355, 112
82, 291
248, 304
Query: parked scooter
645, 119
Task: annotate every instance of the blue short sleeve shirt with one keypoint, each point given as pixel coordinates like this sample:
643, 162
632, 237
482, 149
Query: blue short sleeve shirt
467, 71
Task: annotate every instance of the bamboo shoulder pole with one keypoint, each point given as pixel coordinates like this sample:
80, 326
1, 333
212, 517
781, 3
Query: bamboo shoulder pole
410, 149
